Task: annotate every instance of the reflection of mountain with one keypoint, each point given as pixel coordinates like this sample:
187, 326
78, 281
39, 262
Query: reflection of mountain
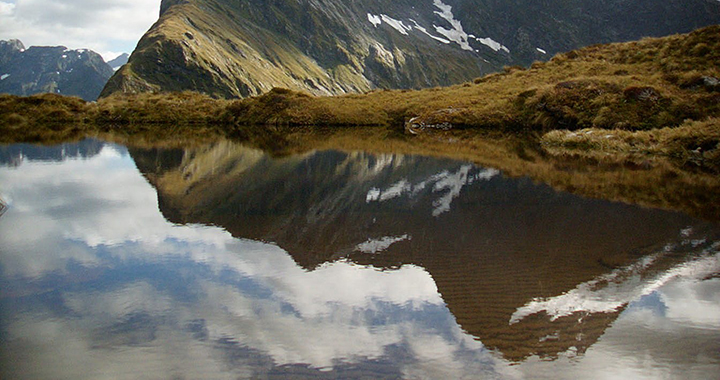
15, 154
492, 244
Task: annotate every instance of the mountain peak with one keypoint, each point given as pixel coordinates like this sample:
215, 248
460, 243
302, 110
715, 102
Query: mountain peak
12, 44
118, 61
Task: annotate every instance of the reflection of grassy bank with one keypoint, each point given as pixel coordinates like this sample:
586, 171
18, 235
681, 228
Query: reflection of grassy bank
654, 181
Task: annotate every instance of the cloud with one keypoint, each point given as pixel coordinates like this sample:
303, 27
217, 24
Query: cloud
108, 27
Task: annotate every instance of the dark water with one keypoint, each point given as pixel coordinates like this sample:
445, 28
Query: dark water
223, 262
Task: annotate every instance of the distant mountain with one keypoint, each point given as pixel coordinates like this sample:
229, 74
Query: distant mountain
119, 61
55, 69
325, 47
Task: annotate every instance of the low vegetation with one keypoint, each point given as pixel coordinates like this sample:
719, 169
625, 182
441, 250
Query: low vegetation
694, 145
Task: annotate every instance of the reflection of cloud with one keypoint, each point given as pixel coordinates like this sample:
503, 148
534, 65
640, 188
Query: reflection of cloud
692, 302
67, 208
643, 344
191, 301
160, 278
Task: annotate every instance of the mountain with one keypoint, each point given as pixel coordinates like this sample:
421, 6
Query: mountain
54, 69
491, 243
326, 47
119, 61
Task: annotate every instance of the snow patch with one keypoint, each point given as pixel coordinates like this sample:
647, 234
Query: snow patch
396, 24
445, 183
375, 20
4, 76
396, 190
492, 44
452, 183
540, 50
373, 195
456, 34
381, 244
424, 30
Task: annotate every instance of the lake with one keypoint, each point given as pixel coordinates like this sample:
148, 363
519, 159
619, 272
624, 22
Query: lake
218, 260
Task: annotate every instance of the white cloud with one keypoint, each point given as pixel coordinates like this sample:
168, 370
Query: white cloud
105, 26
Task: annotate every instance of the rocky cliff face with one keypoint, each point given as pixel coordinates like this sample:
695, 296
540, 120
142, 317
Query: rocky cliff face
54, 69
326, 47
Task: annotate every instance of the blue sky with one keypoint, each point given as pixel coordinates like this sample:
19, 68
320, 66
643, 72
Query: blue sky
109, 27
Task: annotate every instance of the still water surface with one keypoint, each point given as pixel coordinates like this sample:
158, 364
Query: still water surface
219, 261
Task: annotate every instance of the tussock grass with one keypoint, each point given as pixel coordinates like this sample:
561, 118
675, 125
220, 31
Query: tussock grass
159, 108
44, 117
694, 145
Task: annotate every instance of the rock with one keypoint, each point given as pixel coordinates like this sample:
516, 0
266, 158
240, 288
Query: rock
642, 94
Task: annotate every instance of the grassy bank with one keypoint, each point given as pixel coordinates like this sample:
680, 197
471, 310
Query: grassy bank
652, 83
693, 145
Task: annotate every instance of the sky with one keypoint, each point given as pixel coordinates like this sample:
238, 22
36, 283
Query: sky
108, 27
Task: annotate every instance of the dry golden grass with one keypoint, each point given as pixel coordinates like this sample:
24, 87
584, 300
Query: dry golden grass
695, 144
158, 108
46, 117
